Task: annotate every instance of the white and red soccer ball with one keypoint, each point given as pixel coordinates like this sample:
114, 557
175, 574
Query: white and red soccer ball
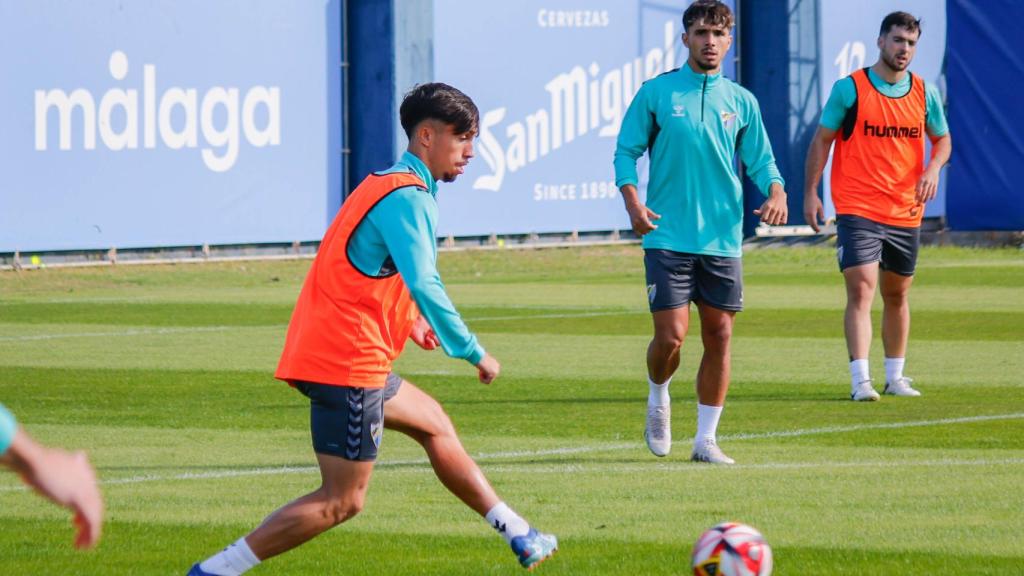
731, 549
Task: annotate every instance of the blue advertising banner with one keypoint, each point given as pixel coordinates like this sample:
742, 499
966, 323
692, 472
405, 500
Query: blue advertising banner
144, 124
986, 72
849, 42
552, 81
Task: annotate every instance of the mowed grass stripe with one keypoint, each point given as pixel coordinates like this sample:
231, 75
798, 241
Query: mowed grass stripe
532, 458
355, 550
601, 410
147, 313
762, 322
776, 323
535, 467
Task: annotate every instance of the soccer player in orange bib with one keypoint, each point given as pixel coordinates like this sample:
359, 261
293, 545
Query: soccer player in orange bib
880, 184
373, 285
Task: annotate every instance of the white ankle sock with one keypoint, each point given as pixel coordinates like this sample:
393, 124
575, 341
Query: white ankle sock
894, 369
507, 522
231, 561
707, 423
658, 394
859, 372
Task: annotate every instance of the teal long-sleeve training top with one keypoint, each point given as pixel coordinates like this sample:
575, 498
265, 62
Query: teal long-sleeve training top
8, 428
403, 226
692, 125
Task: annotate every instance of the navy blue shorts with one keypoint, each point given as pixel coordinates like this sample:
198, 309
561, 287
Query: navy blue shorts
348, 422
674, 279
863, 241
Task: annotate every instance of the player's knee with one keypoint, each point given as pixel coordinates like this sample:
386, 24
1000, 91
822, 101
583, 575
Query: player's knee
717, 335
668, 342
860, 296
894, 297
440, 424
341, 509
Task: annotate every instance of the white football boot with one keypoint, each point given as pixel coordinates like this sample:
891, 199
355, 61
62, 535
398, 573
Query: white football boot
901, 387
708, 451
864, 392
658, 431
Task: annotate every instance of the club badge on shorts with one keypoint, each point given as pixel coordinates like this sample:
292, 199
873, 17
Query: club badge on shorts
376, 430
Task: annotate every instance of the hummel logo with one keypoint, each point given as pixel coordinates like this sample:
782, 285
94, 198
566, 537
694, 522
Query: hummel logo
500, 527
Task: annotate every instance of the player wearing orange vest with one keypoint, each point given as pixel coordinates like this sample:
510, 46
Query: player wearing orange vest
373, 285
880, 185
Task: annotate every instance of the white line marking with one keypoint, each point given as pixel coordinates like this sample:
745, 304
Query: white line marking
133, 332
698, 468
483, 457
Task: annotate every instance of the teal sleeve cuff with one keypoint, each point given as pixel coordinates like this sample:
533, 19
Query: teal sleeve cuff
628, 180
768, 187
8, 428
476, 355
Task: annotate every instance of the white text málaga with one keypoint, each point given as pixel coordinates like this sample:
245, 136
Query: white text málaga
158, 109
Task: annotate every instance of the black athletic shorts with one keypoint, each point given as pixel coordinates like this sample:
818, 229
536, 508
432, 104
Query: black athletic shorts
674, 279
348, 422
862, 241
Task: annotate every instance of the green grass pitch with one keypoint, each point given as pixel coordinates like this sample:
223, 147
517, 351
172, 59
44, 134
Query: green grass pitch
164, 375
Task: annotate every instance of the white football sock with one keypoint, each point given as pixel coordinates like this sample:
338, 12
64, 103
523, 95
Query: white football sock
859, 372
507, 522
707, 423
658, 394
231, 561
894, 369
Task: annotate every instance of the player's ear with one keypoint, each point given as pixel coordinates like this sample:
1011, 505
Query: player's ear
425, 133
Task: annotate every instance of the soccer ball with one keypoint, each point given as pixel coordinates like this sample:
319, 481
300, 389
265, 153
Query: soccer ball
731, 549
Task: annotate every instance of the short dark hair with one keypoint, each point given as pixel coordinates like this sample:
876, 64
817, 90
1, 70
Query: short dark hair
901, 19
437, 101
712, 12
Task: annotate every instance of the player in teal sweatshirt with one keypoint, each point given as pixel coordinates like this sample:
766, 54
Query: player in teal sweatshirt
692, 122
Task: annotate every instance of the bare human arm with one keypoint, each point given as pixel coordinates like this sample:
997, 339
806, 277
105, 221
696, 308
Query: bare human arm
64, 478
817, 157
928, 185
640, 217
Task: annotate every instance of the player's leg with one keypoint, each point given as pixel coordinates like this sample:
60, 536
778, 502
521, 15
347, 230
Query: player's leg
663, 352
670, 328
860, 292
339, 498
899, 259
416, 414
346, 424
669, 287
716, 334
719, 298
859, 248
895, 313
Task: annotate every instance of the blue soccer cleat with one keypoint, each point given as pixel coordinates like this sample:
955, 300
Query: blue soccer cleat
533, 548
197, 571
